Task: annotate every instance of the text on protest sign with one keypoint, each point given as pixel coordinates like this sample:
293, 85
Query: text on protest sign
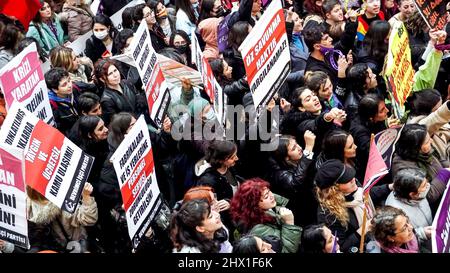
54, 166
13, 220
398, 70
135, 169
266, 54
22, 80
146, 62
434, 12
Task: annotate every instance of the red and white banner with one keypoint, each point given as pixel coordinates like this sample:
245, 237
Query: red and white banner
13, 214
135, 169
22, 80
153, 81
266, 54
54, 166
212, 87
376, 168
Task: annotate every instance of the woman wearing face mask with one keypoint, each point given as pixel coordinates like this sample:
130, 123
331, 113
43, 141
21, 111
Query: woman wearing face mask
414, 151
165, 20
341, 203
187, 15
410, 191
182, 43
157, 36
210, 18
211, 8
101, 44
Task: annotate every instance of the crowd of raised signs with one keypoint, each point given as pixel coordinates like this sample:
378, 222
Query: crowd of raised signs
228, 195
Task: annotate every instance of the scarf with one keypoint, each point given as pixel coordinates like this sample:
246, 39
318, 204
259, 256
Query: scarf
411, 247
298, 42
425, 162
357, 204
52, 96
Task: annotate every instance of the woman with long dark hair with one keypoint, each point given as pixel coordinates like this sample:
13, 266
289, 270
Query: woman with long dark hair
46, 28
414, 150
426, 108
118, 95
375, 45
187, 15
289, 165
193, 227
101, 44
235, 90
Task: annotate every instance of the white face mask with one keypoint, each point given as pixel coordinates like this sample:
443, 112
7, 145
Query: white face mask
210, 115
423, 194
101, 34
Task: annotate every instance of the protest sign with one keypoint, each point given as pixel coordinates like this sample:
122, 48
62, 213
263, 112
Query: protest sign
22, 80
433, 12
153, 81
385, 141
398, 71
212, 87
266, 55
13, 219
135, 169
173, 71
54, 166
440, 240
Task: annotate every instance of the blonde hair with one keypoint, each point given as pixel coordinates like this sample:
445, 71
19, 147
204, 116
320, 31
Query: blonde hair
61, 56
334, 201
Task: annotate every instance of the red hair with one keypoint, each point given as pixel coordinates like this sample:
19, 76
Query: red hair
199, 192
245, 209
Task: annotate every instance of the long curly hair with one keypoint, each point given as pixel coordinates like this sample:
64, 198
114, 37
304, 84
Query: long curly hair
245, 210
183, 226
333, 200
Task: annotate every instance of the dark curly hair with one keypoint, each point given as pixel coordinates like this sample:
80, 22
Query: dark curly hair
383, 224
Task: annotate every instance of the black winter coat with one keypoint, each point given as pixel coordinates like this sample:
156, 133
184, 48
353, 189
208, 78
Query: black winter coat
113, 101
296, 123
296, 184
95, 49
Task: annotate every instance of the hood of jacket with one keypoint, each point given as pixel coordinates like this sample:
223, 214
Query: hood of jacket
67, 8
42, 213
201, 166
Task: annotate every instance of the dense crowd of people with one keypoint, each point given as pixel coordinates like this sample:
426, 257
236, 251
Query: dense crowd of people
227, 195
